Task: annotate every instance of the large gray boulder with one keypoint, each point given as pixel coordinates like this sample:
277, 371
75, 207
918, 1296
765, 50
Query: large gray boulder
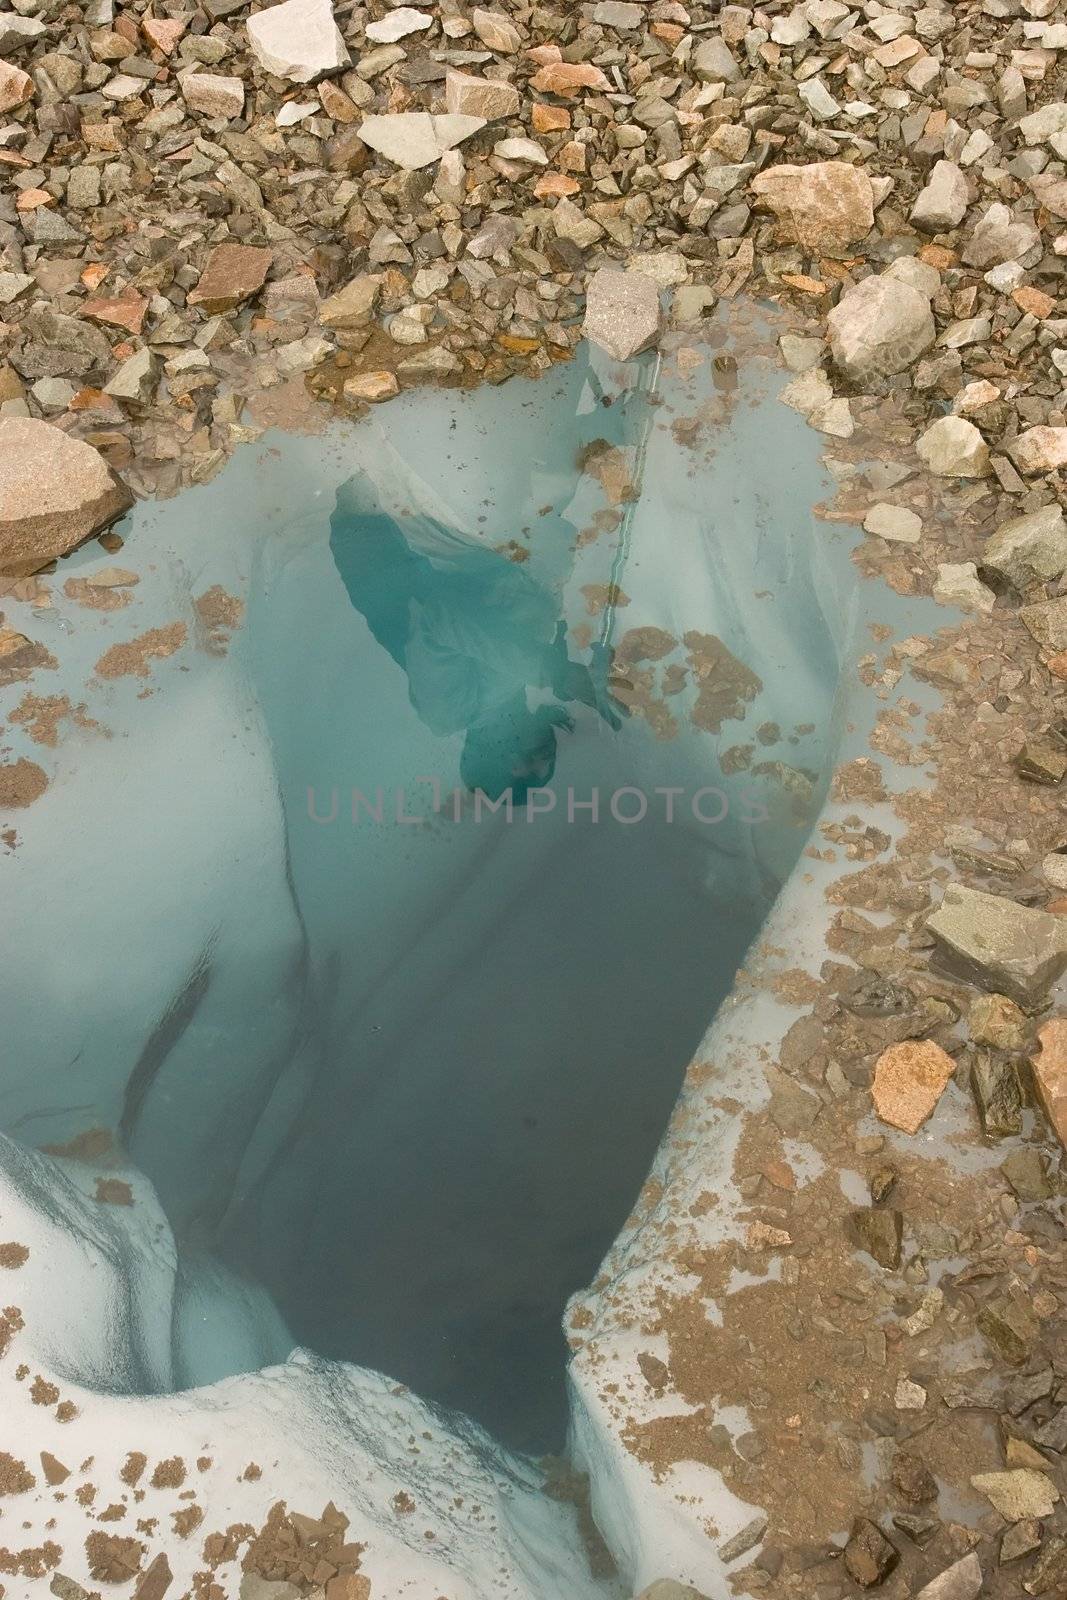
54, 493
999, 945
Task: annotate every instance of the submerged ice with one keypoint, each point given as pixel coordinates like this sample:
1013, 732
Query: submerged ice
376, 947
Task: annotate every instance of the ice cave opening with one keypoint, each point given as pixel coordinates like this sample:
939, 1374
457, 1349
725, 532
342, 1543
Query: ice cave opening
408, 904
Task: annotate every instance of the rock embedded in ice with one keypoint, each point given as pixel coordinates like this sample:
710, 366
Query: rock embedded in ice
999, 945
952, 447
1030, 549
622, 312
398, 24
942, 202
487, 98
414, 139
211, 95
55, 492
880, 327
896, 523
826, 205
909, 1080
958, 584
298, 40
1040, 449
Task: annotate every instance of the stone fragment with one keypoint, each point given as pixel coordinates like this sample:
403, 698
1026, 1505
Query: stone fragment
714, 62
398, 24
952, 447
942, 202
909, 1080
353, 306
497, 32
487, 98
1018, 1494
1029, 549
1047, 621
17, 32
958, 584
136, 379
55, 492
622, 312
744, 1540
432, 365
868, 1556
1042, 760
826, 205
373, 386
913, 1479
211, 95
16, 87
234, 273
999, 945
895, 523
879, 327
254, 1587
1020, 1540
961, 1581
998, 238
879, 1231
997, 1094
414, 139
298, 40
1009, 1328
1040, 449
565, 78
670, 1589
1050, 1074
1048, 1575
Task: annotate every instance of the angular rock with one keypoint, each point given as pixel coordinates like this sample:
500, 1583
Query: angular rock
1040, 450
744, 1540
17, 32
670, 1589
565, 78
374, 386
1030, 549
211, 95
826, 205
998, 945
869, 1557
1042, 761
352, 306
1020, 1540
879, 327
622, 312
487, 98
1010, 1329
995, 1020
942, 203
1050, 1074
298, 40
398, 25
1048, 1575
713, 61
55, 492
909, 1080
997, 238
16, 87
1047, 621
496, 32
136, 379
878, 1231
961, 1581
895, 523
952, 447
913, 1479
1018, 1494
997, 1094
234, 273
414, 139
957, 583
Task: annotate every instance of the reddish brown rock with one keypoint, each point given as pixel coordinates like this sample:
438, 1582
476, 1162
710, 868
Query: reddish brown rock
567, 77
126, 311
234, 273
825, 205
1050, 1074
909, 1080
16, 87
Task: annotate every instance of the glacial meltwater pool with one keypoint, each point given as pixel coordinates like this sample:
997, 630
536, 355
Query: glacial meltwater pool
399, 858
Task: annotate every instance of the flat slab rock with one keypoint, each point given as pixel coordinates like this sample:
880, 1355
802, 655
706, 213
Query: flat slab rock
622, 312
55, 492
827, 205
1001, 946
414, 139
298, 40
234, 273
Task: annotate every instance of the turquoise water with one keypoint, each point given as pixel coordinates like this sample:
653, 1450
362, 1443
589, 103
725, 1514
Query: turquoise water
402, 919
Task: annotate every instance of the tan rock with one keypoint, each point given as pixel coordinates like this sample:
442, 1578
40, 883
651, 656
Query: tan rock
496, 32
352, 306
234, 273
16, 87
995, 1020
826, 205
468, 96
55, 492
1040, 450
212, 95
1050, 1073
1019, 1493
567, 77
372, 386
909, 1080
163, 33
